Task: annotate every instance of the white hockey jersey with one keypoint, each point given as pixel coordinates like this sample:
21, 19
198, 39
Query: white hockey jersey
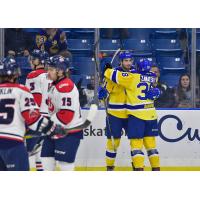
38, 83
64, 106
17, 107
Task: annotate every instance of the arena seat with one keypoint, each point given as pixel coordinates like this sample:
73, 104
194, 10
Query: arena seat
80, 46
84, 65
170, 63
137, 45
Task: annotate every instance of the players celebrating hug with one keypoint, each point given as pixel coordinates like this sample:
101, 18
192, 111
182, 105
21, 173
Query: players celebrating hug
142, 118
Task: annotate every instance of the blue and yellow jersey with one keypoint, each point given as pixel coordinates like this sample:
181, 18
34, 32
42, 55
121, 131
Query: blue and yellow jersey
117, 98
136, 85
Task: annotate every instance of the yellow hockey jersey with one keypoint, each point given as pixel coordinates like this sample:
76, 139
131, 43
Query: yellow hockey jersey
136, 86
116, 100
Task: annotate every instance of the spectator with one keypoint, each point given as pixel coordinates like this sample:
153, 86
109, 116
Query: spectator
166, 99
183, 94
82, 95
53, 41
17, 42
86, 95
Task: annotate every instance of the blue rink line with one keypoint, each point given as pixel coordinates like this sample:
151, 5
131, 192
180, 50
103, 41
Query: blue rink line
156, 108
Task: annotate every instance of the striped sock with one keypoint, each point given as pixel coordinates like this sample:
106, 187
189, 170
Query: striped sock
39, 166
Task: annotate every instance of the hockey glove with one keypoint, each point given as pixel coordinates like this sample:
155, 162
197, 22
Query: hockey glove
107, 66
102, 93
49, 128
153, 94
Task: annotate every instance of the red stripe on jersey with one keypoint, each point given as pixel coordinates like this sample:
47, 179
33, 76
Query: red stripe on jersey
36, 73
14, 85
65, 116
37, 98
31, 116
10, 138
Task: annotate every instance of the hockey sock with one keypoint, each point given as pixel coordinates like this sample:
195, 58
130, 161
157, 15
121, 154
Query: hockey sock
38, 162
49, 163
111, 153
153, 155
136, 154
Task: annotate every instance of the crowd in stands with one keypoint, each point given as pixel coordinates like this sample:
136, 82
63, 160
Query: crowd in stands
171, 64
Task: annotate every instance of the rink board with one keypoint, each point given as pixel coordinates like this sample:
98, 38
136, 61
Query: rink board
178, 143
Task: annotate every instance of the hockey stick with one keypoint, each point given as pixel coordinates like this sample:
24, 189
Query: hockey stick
112, 138
85, 124
116, 53
100, 81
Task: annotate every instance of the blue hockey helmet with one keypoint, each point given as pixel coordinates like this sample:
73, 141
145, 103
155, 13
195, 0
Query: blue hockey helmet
38, 54
9, 67
125, 54
58, 62
144, 65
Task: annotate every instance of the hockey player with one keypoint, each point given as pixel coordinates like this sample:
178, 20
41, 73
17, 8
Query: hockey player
64, 109
142, 117
38, 83
117, 116
17, 107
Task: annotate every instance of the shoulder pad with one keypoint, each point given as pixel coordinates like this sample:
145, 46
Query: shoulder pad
23, 87
35, 73
15, 85
66, 85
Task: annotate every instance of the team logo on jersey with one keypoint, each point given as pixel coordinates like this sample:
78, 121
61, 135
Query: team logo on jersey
124, 74
33, 113
62, 85
50, 105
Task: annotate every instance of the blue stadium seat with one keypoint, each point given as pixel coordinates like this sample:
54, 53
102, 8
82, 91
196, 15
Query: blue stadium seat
109, 45
77, 78
79, 33
170, 63
139, 33
165, 44
84, 65
171, 78
80, 46
167, 47
137, 45
151, 58
165, 34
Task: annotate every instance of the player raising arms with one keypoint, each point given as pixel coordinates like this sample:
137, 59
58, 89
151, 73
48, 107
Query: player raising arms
38, 83
64, 109
142, 117
17, 107
117, 116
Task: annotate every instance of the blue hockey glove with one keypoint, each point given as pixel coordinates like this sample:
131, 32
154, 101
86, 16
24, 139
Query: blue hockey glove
102, 93
153, 94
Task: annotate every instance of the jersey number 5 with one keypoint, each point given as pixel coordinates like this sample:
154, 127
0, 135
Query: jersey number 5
7, 111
